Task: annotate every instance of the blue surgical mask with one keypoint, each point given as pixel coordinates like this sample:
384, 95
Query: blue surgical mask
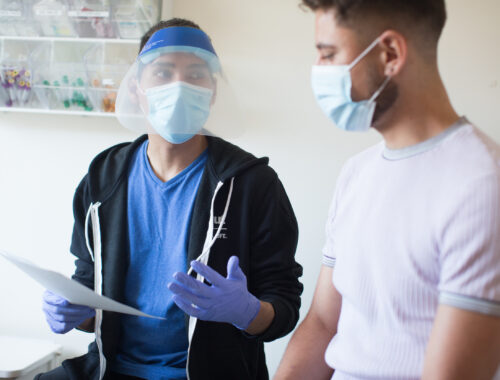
332, 87
178, 111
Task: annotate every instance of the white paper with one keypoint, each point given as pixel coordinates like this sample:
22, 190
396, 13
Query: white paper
72, 290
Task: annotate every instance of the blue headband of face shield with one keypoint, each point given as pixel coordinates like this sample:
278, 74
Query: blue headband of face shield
180, 39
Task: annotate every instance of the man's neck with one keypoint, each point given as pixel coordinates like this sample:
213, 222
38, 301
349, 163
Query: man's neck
168, 160
417, 115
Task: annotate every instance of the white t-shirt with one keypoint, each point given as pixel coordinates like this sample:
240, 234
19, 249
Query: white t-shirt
409, 229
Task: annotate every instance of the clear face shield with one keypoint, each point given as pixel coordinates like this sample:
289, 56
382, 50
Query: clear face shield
176, 89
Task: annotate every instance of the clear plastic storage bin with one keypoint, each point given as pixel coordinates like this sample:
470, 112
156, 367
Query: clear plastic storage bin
106, 65
133, 18
15, 19
52, 17
16, 74
59, 76
92, 18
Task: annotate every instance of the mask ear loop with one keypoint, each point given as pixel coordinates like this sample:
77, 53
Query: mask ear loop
364, 53
381, 88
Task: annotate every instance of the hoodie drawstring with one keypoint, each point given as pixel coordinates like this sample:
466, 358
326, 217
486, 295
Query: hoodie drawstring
209, 242
93, 214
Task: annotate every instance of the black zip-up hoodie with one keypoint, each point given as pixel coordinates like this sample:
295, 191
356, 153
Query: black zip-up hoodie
260, 227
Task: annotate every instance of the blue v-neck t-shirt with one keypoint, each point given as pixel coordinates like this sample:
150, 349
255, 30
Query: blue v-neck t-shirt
159, 215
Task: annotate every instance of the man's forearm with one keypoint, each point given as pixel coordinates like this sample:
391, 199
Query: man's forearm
304, 356
263, 319
88, 325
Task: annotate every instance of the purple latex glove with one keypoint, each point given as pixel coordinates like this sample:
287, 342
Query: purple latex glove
63, 316
226, 300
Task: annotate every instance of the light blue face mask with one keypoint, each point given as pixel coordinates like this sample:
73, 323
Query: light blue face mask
332, 87
179, 110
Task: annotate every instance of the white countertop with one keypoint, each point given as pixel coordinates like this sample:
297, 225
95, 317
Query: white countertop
21, 355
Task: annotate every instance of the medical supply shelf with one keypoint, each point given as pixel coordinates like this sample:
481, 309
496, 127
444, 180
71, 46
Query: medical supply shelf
63, 74
74, 73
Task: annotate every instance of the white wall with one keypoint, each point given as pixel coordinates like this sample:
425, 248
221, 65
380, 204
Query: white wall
267, 50
42, 159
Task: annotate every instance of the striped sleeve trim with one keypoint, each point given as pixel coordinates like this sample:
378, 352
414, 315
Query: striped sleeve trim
329, 261
477, 305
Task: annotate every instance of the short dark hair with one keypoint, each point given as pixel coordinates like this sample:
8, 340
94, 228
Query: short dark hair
167, 24
425, 16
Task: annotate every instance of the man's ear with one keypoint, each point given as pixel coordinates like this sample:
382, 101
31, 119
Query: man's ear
394, 52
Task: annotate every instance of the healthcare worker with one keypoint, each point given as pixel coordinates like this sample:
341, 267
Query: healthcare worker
410, 282
175, 201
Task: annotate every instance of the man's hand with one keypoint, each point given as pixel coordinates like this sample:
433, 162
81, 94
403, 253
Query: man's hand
225, 300
63, 316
